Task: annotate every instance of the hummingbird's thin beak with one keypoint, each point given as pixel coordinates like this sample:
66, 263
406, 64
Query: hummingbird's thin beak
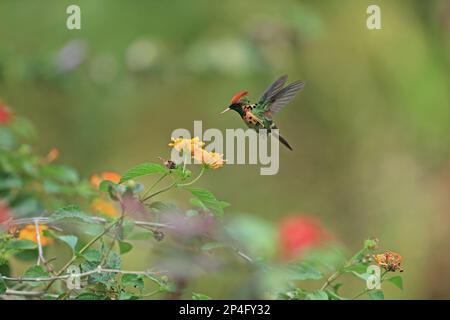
227, 109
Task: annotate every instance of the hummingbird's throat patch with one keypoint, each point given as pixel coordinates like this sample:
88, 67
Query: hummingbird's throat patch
239, 146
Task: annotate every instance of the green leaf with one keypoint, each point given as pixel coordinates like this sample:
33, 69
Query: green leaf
334, 295
89, 296
133, 280
363, 276
127, 296
143, 170
397, 281
21, 245
196, 202
105, 185
36, 272
2, 286
61, 173
304, 271
70, 240
200, 296
376, 295
209, 200
92, 255
125, 247
213, 245
71, 213
140, 235
294, 294
358, 268
317, 295
160, 206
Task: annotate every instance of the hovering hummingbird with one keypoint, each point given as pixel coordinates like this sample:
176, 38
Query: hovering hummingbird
259, 115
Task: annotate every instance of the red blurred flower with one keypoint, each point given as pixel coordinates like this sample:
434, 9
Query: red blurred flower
298, 233
5, 213
5, 114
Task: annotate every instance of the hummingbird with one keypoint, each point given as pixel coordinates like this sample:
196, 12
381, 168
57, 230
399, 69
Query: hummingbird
259, 115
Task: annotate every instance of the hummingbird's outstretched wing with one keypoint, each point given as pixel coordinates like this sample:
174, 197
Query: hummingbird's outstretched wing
273, 89
280, 99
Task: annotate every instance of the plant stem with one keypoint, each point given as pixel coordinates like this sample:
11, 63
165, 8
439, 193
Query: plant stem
176, 185
195, 180
339, 272
360, 294
160, 191
154, 185
87, 246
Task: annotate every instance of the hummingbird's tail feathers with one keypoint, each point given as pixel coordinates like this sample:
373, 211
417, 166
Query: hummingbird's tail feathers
282, 140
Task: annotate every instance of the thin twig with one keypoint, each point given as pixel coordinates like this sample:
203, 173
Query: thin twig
46, 220
11, 292
97, 270
82, 250
38, 239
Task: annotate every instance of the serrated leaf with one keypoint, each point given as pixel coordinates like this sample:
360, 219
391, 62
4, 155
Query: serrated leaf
358, 268
208, 199
125, 247
36, 272
334, 295
397, 281
143, 170
304, 271
133, 280
317, 295
70, 240
3, 286
21, 245
71, 214
92, 255
200, 296
376, 295
89, 296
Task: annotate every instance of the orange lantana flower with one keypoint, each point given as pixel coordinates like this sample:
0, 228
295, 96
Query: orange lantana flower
107, 175
213, 160
100, 205
389, 260
29, 233
52, 155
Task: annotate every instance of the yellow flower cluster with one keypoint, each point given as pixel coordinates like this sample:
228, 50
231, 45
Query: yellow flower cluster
187, 145
194, 147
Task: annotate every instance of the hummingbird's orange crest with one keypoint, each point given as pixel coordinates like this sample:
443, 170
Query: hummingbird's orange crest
238, 95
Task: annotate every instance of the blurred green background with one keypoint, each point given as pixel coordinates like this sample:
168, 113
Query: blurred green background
370, 131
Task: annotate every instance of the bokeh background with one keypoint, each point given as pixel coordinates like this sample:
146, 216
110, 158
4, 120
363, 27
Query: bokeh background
370, 131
